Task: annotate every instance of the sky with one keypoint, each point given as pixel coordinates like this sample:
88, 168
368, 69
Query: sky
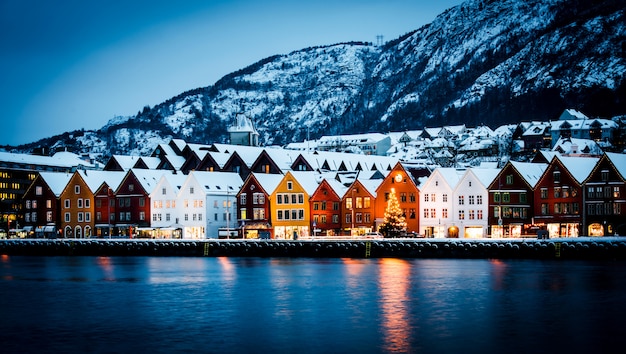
76, 64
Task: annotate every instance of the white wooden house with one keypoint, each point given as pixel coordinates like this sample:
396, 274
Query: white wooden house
471, 203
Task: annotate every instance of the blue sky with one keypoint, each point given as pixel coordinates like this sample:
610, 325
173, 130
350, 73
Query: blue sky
72, 64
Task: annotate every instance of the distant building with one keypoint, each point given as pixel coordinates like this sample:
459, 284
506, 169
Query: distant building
243, 132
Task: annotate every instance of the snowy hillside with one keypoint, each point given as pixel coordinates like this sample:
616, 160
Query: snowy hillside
482, 62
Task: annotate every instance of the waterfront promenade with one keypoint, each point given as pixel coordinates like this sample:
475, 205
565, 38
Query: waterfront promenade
610, 248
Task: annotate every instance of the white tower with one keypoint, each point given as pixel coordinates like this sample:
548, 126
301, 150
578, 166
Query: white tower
243, 132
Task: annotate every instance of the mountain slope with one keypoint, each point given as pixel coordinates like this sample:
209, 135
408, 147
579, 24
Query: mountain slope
482, 62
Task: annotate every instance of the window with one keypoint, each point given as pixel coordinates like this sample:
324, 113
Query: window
616, 193
426, 197
335, 219
300, 198
425, 213
163, 191
67, 217
461, 214
88, 217
471, 215
522, 197
335, 205
556, 175
279, 199
411, 197
49, 203
79, 203
461, 200
479, 199
496, 197
557, 192
242, 199
403, 197
433, 213
80, 217
445, 198
471, 200
479, 214
506, 197
76, 189
38, 190
142, 215
66, 203
348, 203
544, 193
359, 202
359, 217
323, 205
605, 175
496, 212
48, 216
509, 179
294, 198
289, 185
444, 213
316, 206
432, 198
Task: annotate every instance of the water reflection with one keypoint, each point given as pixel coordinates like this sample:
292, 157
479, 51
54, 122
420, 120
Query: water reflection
393, 284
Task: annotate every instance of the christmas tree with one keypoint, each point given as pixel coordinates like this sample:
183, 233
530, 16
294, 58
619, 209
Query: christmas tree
394, 222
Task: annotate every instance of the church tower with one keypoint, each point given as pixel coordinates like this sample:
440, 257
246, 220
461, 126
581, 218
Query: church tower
243, 132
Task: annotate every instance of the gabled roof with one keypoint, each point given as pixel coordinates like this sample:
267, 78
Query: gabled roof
267, 181
619, 161
531, 172
578, 167
56, 181
148, 178
218, 182
95, 179
484, 175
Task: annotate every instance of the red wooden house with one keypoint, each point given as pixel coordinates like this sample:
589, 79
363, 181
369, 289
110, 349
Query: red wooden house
558, 195
325, 204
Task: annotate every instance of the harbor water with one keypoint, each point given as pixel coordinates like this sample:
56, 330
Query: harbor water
309, 305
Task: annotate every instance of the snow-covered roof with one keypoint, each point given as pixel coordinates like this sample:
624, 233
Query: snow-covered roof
61, 159
56, 181
308, 180
268, 181
484, 175
572, 114
531, 172
576, 146
148, 178
579, 167
218, 182
619, 161
95, 179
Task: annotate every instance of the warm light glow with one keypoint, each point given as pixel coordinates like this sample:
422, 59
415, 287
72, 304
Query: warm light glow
393, 284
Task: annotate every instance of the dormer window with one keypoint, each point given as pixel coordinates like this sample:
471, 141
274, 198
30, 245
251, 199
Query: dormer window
556, 175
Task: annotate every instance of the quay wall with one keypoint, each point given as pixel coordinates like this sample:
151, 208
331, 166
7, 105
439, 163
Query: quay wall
572, 248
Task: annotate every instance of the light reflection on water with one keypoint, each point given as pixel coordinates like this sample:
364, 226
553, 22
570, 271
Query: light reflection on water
152, 304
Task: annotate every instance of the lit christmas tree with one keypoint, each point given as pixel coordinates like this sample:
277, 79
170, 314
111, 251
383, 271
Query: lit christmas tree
394, 223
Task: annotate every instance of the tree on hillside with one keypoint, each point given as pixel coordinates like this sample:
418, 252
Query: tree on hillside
394, 222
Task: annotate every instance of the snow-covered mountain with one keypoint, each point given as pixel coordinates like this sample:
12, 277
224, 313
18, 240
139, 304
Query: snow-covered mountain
482, 62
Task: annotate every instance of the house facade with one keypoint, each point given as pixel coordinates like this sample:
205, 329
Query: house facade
325, 206
471, 203
604, 197
254, 211
407, 192
290, 205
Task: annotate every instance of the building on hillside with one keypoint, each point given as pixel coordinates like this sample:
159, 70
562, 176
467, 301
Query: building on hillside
367, 144
243, 132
